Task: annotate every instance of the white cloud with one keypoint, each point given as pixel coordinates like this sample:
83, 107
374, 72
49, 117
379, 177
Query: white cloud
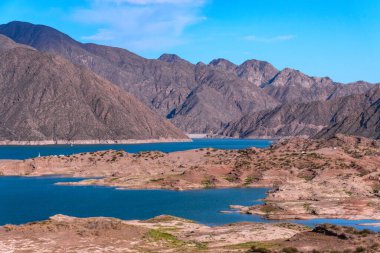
140, 24
269, 39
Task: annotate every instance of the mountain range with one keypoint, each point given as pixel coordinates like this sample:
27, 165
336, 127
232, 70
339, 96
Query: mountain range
253, 99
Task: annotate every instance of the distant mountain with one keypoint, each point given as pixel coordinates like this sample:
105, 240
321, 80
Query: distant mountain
197, 98
356, 114
289, 85
254, 71
46, 97
362, 122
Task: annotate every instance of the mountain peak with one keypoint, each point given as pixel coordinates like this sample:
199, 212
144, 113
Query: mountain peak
256, 72
170, 58
24, 26
289, 70
222, 64
33, 35
16, 22
258, 63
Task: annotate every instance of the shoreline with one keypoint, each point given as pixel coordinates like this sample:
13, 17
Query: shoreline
84, 182
89, 142
262, 137
128, 141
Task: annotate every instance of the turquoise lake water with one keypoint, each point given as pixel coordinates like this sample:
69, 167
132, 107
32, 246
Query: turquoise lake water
24, 152
29, 199
25, 199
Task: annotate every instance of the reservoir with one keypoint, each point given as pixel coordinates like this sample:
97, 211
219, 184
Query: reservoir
27, 199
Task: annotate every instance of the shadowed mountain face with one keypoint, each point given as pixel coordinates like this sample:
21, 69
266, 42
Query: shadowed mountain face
197, 98
356, 114
362, 122
46, 97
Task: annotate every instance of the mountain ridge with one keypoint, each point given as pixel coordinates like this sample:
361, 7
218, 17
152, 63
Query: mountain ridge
201, 98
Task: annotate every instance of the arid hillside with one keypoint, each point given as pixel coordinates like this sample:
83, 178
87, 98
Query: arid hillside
45, 97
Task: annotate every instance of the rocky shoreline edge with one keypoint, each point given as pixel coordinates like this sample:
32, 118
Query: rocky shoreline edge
84, 142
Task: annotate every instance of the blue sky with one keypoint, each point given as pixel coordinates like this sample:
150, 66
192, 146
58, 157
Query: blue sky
336, 38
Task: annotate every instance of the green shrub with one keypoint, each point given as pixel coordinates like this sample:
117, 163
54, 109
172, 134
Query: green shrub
158, 235
360, 249
267, 208
289, 250
208, 182
255, 249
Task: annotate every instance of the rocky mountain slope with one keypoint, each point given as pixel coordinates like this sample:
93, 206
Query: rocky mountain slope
289, 85
354, 114
197, 98
44, 97
362, 122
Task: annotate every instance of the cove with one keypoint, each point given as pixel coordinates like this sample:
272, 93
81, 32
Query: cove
28, 199
25, 152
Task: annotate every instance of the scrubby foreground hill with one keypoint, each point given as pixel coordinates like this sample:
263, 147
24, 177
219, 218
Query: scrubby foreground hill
44, 97
171, 234
197, 98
